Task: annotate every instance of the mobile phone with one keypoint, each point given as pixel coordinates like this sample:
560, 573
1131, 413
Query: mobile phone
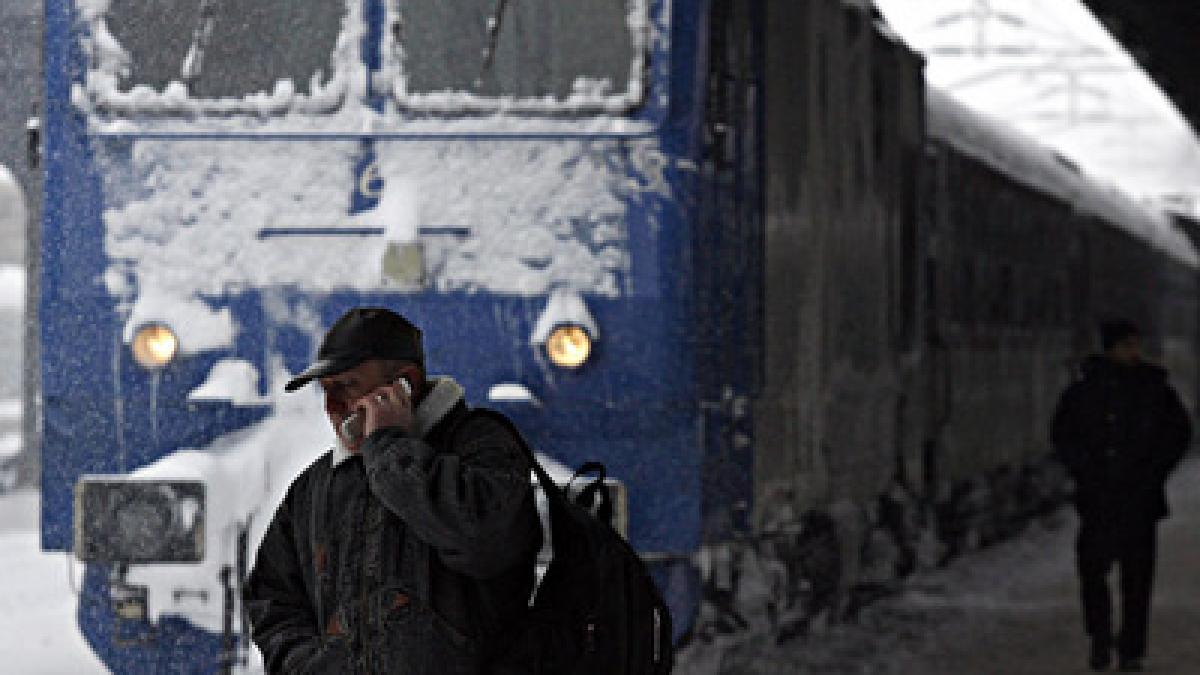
352, 426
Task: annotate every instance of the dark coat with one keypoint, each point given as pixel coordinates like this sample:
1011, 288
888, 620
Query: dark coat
1120, 431
411, 558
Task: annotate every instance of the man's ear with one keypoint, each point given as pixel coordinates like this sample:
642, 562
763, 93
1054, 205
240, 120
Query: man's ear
415, 375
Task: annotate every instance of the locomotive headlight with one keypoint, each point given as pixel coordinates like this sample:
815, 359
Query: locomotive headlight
154, 346
139, 521
569, 346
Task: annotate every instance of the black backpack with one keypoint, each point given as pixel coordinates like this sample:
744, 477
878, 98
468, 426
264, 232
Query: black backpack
596, 610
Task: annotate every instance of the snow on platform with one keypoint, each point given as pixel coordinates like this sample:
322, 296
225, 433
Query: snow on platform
1011, 609
38, 635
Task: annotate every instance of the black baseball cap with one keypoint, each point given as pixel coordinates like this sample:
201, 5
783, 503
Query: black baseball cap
363, 334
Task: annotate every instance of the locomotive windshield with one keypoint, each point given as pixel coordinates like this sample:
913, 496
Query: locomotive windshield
586, 52
226, 49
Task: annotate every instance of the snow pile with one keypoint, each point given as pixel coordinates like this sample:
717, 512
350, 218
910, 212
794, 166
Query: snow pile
1010, 608
942, 610
246, 474
540, 214
512, 392
525, 217
233, 380
187, 224
563, 308
1026, 161
200, 327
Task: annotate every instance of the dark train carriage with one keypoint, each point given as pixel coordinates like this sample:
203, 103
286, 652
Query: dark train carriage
829, 418
1025, 256
1000, 268
844, 121
926, 294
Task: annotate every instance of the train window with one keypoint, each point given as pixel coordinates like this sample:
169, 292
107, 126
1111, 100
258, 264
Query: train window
226, 49
563, 50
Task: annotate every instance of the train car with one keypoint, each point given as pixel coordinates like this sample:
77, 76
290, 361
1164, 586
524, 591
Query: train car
997, 267
1026, 255
828, 433
845, 128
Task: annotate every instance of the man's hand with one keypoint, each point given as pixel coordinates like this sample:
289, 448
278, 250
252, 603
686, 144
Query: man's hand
387, 406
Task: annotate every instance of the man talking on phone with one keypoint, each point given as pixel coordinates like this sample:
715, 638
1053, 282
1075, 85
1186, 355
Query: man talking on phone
410, 546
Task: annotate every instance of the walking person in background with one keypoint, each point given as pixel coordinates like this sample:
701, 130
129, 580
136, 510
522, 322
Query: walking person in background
408, 548
1120, 429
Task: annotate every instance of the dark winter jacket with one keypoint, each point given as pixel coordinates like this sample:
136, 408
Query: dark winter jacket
410, 558
1120, 431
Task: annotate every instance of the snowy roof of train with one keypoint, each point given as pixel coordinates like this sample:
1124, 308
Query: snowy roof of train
1024, 159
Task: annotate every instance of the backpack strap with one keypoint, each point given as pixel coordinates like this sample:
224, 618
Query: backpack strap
558, 498
553, 493
594, 490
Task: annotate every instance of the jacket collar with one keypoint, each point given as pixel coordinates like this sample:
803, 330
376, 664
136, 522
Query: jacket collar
445, 394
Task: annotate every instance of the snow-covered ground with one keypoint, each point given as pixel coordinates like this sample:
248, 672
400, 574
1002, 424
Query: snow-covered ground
1009, 609
37, 606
